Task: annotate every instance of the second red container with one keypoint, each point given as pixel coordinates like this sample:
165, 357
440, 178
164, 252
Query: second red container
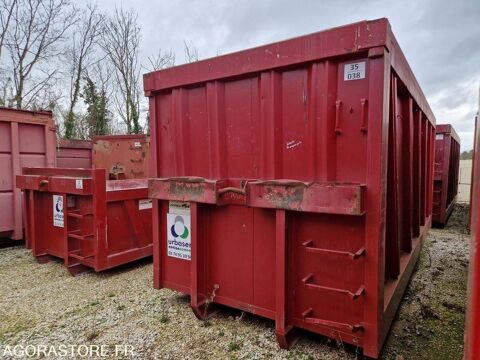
445, 180
89, 222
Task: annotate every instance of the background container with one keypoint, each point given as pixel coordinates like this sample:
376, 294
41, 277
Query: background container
445, 180
124, 156
472, 329
27, 138
294, 181
89, 222
74, 153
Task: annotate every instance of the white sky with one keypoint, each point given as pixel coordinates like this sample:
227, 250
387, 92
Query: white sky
440, 38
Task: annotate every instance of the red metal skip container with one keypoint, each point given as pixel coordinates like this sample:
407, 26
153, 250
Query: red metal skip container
89, 222
123, 156
445, 179
27, 138
74, 153
294, 181
472, 329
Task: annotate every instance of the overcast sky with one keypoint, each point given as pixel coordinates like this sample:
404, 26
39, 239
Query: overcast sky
440, 38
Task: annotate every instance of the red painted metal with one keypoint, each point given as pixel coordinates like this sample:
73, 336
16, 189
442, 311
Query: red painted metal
124, 156
445, 180
102, 224
301, 172
74, 154
27, 138
472, 329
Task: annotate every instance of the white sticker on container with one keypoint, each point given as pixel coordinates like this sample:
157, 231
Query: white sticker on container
178, 207
355, 71
58, 218
439, 137
79, 184
144, 204
178, 236
137, 144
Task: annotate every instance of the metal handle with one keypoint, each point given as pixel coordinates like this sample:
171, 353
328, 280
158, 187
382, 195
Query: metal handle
308, 247
307, 281
363, 115
338, 104
317, 321
231, 189
43, 182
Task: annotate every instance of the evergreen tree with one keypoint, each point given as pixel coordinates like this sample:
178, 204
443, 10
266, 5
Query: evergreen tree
97, 108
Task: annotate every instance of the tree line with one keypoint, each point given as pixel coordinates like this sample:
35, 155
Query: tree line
80, 63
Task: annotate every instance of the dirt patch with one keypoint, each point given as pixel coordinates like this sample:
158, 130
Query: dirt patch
430, 322
44, 305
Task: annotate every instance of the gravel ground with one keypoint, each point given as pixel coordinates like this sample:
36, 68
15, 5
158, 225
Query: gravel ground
44, 305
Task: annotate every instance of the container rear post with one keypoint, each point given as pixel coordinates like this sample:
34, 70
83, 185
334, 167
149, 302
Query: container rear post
156, 226
17, 193
376, 197
284, 329
100, 218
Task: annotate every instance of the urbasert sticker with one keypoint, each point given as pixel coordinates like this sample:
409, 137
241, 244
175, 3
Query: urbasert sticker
58, 218
355, 71
144, 204
178, 231
137, 144
439, 137
78, 184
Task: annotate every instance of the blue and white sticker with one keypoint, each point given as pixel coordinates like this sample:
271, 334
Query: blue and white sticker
179, 244
58, 217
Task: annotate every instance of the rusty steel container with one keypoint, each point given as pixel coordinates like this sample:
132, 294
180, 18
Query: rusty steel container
445, 176
74, 154
472, 328
123, 156
294, 181
89, 222
27, 138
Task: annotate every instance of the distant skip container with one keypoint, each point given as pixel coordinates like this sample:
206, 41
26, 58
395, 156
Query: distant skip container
294, 181
123, 156
89, 222
74, 153
27, 138
445, 179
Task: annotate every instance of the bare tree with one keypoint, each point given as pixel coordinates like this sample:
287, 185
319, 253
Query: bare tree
84, 37
191, 52
160, 61
6, 12
121, 41
37, 30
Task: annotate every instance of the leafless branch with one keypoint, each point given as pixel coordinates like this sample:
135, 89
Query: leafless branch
191, 52
6, 12
38, 28
161, 61
121, 42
